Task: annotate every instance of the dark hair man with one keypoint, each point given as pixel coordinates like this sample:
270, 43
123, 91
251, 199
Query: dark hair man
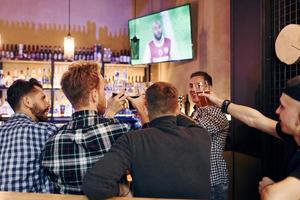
166, 160
212, 118
22, 138
287, 129
91, 132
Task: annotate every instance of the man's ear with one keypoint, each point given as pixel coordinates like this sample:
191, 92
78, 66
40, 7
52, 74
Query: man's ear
94, 95
26, 101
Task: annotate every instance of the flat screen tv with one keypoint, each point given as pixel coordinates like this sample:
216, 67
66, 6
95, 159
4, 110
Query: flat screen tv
162, 36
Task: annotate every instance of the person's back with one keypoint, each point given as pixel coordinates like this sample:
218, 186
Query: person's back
22, 139
170, 161
77, 146
89, 135
166, 160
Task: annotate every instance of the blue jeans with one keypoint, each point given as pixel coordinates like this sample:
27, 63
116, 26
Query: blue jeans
219, 192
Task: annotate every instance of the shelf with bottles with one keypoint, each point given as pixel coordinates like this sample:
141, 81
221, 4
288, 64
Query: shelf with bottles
11, 70
30, 52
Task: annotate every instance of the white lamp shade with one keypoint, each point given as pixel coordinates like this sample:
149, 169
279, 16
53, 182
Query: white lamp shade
69, 47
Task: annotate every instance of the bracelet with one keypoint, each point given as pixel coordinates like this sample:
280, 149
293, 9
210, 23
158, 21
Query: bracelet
225, 105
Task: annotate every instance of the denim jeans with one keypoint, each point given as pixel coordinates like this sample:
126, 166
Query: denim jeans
219, 192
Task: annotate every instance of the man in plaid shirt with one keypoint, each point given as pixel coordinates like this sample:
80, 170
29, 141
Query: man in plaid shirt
91, 132
217, 125
22, 139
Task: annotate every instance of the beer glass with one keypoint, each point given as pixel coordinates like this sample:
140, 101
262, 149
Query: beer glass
200, 88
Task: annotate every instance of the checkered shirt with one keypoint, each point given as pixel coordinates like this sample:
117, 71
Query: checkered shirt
21, 144
217, 125
77, 146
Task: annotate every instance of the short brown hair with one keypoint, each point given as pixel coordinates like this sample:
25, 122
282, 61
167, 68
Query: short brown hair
161, 98
79, 80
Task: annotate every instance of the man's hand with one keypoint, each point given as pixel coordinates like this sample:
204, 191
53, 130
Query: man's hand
124, 191
114, 105
264, 182
140, 105
213, 98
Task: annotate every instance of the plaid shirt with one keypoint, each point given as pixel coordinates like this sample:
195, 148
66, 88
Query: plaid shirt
21, 144
216, 123
77, 146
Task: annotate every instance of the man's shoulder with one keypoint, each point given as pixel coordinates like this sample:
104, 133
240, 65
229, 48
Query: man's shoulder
167, 39
88, 128
28, 125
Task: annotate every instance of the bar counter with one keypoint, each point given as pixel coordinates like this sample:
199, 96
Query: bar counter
40, 196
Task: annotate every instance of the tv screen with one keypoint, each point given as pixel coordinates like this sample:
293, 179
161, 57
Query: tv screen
163, 36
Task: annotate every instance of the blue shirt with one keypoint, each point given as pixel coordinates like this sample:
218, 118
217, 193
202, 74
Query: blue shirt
21, 144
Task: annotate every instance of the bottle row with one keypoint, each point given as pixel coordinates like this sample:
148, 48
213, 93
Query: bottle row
43, 74
56, 53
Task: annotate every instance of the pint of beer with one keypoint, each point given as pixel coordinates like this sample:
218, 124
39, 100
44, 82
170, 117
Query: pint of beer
200, 88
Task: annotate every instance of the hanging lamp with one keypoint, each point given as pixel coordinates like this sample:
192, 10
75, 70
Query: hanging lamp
69, 42
135, 41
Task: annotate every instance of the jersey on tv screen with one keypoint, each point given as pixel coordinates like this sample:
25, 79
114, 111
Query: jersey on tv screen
161, 37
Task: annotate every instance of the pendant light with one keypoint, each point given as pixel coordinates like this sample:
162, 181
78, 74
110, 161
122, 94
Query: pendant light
69, 43
135, 41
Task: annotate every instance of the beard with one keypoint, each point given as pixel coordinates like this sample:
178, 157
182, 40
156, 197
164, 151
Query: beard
39, 113
158, 36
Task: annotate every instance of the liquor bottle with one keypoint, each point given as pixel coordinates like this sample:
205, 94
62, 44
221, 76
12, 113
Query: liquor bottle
83, 54
50, 53
92, 55
33, 53
46, 53
76, 54
99, 53
3, 52
42, 53
20, 52
28, 52
187, 105
1, 76
21, 76
8, 80
11, 52
28, 76
7, 52
128, 57
79, 54
59, 56
45, 79
55, 54
37, 53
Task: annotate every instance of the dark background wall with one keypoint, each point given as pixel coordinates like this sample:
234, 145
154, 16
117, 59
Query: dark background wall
246, 77
258, 78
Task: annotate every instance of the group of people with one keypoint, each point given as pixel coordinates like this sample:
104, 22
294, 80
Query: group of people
172, 156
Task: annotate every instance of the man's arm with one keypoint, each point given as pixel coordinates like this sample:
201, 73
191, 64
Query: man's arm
102, 180
247, 115
140, 105
285, 189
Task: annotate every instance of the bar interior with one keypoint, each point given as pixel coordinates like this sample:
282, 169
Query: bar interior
214, 56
